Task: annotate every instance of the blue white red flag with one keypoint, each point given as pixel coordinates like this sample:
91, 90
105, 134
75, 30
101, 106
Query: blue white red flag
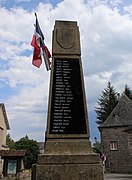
40, 48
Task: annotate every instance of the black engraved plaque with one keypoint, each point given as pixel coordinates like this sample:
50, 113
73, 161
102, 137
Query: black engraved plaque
67, 105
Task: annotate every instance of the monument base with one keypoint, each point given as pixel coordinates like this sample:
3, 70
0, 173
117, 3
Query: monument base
68, 167
68, 146
67, 154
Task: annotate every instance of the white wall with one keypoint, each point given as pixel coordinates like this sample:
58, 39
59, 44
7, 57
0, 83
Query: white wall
3, 132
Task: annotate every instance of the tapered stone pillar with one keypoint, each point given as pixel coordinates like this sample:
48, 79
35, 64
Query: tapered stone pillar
68, 154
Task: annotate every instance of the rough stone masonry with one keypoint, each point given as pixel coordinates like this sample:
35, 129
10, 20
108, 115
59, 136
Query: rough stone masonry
68, 154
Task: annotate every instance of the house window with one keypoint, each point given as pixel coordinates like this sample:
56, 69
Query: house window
113, 145
12, 167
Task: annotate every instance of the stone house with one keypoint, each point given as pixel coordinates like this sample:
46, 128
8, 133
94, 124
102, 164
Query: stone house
116, 137
4, 126
11, 161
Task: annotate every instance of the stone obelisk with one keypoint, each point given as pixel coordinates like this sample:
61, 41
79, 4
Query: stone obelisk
68, 154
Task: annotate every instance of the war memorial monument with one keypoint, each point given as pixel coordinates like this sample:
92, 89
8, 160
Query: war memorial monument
68, 154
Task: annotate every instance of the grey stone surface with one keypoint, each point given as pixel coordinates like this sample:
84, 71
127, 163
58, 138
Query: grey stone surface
66, 44
66, 40
121, 115
68, 146
67, 156
116, 129
69, 172
90, 158
112, 176
107, 176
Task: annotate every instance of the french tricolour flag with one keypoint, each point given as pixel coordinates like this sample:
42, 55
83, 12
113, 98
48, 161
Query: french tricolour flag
40, 48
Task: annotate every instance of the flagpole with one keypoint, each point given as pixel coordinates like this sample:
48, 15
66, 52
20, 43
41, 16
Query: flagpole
35, 14
38, 35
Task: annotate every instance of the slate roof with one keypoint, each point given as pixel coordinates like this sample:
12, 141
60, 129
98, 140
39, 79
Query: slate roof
128, 128
5, 115
18, 153
121, 115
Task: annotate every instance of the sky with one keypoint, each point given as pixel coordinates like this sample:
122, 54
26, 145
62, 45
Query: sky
106, 50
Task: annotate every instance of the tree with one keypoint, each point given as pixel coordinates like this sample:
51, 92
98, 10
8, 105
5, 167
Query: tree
97, 147
106, 103
128, 92
32, 150
9, 141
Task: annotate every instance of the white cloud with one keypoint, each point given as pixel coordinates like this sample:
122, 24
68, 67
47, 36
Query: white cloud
106, 41
128, 10
28, 110
16, 26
